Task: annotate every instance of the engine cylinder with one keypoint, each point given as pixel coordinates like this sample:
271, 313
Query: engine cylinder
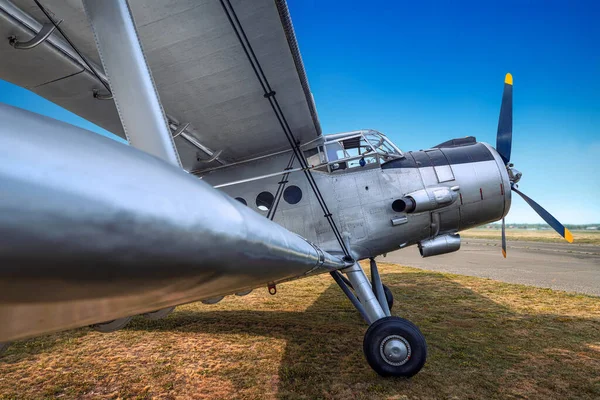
439, 245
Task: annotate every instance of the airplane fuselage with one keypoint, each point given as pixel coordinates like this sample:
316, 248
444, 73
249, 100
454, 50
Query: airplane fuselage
455, 188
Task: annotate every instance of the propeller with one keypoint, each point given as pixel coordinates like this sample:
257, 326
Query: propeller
504, 147
504, 135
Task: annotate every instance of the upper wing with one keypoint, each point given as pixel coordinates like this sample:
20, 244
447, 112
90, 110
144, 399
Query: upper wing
201, 71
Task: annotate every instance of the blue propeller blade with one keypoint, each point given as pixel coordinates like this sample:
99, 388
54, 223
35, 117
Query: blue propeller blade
553, 222
504, 135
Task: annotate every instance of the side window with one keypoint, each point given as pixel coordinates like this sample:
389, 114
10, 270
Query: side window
312, 157
292, 194
335, 151
264, 201
356, 146
241, 200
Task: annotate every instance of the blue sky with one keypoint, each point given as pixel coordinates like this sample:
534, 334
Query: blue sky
425, 72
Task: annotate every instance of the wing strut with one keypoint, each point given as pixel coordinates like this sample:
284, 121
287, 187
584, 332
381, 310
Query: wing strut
135, 95
270, 95
280, 189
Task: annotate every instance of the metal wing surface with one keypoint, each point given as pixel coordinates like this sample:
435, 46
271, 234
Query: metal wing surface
201, 71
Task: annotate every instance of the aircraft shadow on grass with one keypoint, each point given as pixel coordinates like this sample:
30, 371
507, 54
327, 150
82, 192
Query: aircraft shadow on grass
468, 335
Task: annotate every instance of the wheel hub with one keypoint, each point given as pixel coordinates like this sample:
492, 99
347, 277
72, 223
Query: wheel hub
395, 350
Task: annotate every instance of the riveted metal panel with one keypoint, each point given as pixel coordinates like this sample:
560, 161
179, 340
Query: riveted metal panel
444, 173
346, 190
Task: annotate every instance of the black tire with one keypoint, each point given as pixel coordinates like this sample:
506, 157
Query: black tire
3, 347
111, 326
388, 296
401, 331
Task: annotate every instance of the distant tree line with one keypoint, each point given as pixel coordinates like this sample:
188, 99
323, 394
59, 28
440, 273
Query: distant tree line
498, 225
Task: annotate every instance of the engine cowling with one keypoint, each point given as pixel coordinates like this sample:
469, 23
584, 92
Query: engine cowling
439, 245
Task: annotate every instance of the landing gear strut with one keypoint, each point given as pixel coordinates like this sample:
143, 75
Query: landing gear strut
389, 297
393, 346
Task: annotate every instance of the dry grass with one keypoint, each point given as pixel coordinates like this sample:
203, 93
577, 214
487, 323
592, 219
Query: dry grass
580, 237
486, 340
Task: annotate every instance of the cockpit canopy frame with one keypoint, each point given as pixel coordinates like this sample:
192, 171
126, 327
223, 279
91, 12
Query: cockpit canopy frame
350, 150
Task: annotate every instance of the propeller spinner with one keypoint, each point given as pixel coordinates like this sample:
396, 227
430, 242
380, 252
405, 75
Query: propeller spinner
504, 147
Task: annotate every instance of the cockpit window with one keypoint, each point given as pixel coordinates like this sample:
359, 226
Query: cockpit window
382, 145
315, 156
335, 151
359, 149
356, 146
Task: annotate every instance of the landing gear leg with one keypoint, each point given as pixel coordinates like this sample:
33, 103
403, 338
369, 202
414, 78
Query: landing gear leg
378, 288
389, 297
393, 346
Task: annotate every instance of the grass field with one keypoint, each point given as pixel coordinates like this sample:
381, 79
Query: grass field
580, 237
487, 340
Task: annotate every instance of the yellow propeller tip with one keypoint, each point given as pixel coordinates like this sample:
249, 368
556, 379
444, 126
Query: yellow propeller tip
568, 236
508, 79
504, 253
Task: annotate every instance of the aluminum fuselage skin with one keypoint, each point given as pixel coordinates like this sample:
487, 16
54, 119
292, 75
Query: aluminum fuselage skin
361, 198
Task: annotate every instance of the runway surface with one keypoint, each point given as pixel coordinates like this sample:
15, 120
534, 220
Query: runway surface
570, 267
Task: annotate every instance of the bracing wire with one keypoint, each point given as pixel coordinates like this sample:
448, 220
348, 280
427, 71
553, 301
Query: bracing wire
270, 95
85, 61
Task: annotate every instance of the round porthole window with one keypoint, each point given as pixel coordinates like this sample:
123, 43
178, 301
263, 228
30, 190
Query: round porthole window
241, 201
264, 201
292, 194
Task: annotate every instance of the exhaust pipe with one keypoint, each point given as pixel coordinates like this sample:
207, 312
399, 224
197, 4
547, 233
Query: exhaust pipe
439, 245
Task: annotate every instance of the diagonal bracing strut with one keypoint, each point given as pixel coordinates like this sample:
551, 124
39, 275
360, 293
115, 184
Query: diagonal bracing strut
280, 189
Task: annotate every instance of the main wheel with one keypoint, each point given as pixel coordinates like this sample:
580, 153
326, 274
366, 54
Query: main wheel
388, 296
394, 346
111, 326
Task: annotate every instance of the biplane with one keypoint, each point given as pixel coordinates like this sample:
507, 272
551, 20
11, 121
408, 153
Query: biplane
227, 184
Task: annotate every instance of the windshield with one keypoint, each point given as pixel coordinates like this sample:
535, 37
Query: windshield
382, 145
359, 149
